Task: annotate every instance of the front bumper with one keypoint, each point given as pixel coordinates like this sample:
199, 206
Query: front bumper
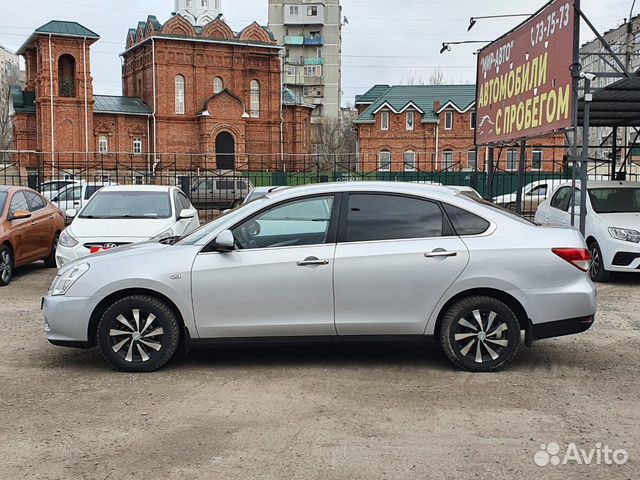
561, 328
67, 320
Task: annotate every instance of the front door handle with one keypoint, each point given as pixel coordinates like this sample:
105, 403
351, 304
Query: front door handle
310, 261
33, 224
440, 254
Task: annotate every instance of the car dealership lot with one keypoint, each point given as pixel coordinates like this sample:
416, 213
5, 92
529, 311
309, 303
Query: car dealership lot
374, 411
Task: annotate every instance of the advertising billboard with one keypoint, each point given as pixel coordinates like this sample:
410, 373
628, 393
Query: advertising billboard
524, 79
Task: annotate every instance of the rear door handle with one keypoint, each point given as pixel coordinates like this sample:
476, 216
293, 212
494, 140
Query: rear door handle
33, 224
440, 254
312, 261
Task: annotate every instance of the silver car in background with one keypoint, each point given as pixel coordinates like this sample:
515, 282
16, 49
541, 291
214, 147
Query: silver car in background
355, 261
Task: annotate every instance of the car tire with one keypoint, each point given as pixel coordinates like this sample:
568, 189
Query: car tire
50, 261
6, 265
597, 271
138, 333
480, 334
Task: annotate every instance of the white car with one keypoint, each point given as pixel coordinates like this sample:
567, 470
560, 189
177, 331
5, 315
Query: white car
532, 195
466, 191
612, 228
117, 216
52, 188
75, 196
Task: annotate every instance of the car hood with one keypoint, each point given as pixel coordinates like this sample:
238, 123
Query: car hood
623, 220
118, 228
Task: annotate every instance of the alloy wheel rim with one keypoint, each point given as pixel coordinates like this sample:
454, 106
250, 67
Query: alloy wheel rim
481, 336
595, 262
136, 336
5, 266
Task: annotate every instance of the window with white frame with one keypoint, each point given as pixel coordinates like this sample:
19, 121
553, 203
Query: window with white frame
472, 159
218, 85
411, 120
512, 159
103, 144
384, 120
313, 71
448, 120
137, 146
180, 89
293, 10
384, 161
473, 120
255, 98
447, 159
537, 157
410, 161
312, 11
205, 3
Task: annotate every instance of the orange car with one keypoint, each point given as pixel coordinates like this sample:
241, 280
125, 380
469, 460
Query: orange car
29, 230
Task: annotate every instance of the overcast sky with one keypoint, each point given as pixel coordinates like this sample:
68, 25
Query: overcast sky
386, 41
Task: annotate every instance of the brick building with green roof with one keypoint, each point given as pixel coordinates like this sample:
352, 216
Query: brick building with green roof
426, 128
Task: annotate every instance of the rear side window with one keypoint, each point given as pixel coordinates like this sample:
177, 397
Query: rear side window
225, 185
389, 217
465, 223
561, 199
36, 202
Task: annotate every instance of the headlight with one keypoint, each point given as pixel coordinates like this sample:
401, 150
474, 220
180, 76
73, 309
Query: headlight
624, 234
65, 280
67, 240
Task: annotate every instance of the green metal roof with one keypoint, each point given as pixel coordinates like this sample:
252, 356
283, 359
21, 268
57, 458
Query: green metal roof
423, 97
371, 95
289, 97
120, 105
23, 101
67, 28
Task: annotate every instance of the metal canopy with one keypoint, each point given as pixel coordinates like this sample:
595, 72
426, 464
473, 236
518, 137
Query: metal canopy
616, 105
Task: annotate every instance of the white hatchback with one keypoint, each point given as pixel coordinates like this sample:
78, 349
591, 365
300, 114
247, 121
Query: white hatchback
612, 223
122, 215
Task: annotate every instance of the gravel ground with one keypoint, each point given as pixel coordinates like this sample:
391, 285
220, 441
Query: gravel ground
330, 412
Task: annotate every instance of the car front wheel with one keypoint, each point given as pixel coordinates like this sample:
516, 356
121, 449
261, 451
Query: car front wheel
597, 272
480, 334
138, 334
6, 265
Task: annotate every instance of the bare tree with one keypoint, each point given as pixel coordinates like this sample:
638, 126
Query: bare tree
436, 77
12, 77
335, 145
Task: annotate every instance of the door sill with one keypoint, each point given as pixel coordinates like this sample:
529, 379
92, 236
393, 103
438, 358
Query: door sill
306, 340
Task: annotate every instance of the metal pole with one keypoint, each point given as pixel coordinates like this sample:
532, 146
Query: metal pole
585, 154
614, 153
521, 178
490, 174
575, 71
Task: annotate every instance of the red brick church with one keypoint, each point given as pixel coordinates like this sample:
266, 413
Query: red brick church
192, 88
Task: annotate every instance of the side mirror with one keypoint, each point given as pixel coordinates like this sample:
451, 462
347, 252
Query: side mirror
186, 213
55, 199
19, 215
225, 242
71, 213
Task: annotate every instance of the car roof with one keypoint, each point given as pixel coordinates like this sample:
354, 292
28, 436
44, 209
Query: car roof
136, 188
606, 184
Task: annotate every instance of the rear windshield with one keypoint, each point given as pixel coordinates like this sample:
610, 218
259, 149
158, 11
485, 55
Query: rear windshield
615, 200
128, 205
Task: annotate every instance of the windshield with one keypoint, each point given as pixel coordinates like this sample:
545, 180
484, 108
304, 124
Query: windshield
615, 200
3, 201
128, 205
198, 234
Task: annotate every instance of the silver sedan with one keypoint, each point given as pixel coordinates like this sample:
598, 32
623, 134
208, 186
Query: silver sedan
333, 262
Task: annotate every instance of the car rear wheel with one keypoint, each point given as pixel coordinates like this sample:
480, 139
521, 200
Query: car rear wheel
480, 334
6, 265
50, 261
597, 271
138, 334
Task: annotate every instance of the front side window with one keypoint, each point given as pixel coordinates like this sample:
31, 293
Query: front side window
447, 159
536, 159
71, 194
411, 118
255, 98
384, 120
384, 161
218, 85
389, 217
36, 202
448, 120
410, 161
140, 205
180, 95
103, 144
3, 201
303, 222
137, 145
512, 159
18, 203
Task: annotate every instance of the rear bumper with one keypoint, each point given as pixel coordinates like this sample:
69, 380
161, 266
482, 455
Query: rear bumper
560, 328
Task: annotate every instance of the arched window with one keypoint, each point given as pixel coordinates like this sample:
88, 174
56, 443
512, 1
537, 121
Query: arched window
103, 144
447, 159
67, 76
218, 85
179, 95
137, 145
384, 161
255, 98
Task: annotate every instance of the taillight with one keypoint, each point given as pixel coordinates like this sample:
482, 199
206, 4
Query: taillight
578, 257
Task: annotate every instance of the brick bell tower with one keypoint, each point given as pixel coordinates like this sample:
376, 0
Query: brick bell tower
58, 60
199, 12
